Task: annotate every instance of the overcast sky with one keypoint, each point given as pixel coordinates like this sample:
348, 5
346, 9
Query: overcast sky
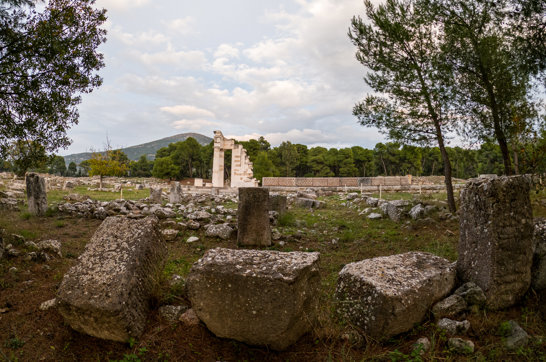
282, 69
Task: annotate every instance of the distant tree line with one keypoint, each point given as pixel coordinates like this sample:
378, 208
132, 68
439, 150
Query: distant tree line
189, 159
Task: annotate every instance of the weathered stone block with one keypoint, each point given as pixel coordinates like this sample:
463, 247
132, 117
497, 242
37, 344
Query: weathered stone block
36, 194
277, 203
496, 238
255, 296
106, 293
386, 296
175, 194
155, 195
253, 217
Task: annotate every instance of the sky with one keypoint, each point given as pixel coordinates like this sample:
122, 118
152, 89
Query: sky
282, 69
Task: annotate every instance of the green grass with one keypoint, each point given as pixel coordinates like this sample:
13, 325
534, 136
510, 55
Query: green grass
57, 196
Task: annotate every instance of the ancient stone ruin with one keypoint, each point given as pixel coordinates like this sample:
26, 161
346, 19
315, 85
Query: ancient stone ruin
386, 296
36, 194
258, 297
241, 167
253, 217
106, 293
496, 238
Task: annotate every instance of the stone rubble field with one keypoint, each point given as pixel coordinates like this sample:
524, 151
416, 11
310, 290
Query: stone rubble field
150, 270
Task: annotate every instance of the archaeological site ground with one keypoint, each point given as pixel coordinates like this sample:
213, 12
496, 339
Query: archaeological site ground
375, 277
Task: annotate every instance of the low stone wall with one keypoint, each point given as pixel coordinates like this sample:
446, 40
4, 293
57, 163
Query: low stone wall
336, 181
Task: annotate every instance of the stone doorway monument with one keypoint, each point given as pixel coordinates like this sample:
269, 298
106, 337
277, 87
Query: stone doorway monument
241, 167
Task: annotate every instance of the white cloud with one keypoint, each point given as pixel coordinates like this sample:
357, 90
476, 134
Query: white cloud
226, 51
191, 59
182, 26
121, 4
194, 124
188, 111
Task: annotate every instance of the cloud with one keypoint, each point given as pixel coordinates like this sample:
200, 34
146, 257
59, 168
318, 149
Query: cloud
182, 26
188, 111
121, 4
226, 51
194, 124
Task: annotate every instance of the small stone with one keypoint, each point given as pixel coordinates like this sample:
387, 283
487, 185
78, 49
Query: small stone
189, 318
13, 269
169, 234
452, 327
374, 216
191, 239
471, 293
449, 307
422, 345
53, 246
172, 312
48, 304
222, 231
517, 337
461, 346
193, 225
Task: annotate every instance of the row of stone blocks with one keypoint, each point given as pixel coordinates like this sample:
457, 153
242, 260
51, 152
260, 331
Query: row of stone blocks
336, 181
269, 298
255, 296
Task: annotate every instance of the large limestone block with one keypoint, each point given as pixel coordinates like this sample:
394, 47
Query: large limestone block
258, 297
496, 238
253, 217
278, 203
36, 194
106, 294
388, 295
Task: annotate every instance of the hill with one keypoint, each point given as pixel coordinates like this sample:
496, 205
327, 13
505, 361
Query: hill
149, 149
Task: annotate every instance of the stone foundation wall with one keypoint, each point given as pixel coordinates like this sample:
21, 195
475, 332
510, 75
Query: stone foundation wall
336, 181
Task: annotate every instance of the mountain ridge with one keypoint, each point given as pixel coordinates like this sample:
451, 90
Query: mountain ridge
148, 149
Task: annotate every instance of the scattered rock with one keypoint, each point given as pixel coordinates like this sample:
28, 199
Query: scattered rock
193, 225
222, 231
192, 239
172, 312
451, 306
539, 256
452, 327
461, 346
516, 337
471, 293
189, 318
308, 203
422, 345
417, 211
53, 246
169, 234
374, 216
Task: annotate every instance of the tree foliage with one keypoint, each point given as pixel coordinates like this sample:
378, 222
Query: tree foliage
108, 163
47, 60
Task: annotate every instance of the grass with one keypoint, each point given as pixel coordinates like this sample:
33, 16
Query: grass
57, 196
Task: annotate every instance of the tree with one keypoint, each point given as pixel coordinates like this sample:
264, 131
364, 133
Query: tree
57, 166
493, 76
47, 60
85, 167
263, 166
164, 168
141, 168
400, 47
288, 157
72, 169
108, 163
24, 155
317, 162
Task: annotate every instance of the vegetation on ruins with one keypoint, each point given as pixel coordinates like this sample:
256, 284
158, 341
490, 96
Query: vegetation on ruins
48, 59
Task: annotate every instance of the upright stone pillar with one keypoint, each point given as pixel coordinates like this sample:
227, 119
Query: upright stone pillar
496, 238
218, 167
253, 217
155, 195
36, 194
175, 194
278, 203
